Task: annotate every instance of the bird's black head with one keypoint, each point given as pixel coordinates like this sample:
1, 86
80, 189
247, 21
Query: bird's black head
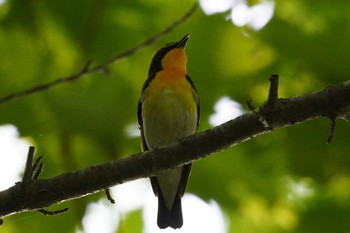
156, 64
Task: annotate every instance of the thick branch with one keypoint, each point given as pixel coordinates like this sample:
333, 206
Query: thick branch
330, 102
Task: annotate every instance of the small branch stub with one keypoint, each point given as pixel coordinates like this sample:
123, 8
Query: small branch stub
273, 92
28, 171
267, 112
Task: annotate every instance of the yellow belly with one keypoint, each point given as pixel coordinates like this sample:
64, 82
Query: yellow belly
168, 119
168, 113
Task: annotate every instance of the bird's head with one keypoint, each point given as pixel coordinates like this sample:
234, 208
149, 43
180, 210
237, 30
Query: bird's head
171, 56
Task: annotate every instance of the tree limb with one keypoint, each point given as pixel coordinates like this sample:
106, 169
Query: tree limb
332, 102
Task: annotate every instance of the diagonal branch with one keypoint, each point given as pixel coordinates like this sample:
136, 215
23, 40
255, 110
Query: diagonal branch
86, 70
329, 102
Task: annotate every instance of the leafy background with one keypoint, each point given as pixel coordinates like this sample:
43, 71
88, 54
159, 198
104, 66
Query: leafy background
286, 181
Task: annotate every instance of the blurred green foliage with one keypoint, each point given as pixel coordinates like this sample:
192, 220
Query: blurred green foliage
287, 181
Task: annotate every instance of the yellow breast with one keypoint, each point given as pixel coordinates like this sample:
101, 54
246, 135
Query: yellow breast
169, 110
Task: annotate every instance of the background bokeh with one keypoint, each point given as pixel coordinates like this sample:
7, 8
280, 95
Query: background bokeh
289, 180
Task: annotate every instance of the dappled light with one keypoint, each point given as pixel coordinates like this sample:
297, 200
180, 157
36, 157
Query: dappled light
104, 217
300, 190
259, 213
255, 16
13, 150
199, 216
225, 110
71, 76
100, 217
132, 130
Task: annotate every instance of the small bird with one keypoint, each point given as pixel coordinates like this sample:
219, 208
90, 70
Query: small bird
168, 110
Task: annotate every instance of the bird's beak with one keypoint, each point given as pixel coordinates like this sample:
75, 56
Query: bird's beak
182, 43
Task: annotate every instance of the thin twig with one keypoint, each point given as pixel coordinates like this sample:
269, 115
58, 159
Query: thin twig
37, 168
147, 42
250, 105
331, 133
37, 162
109, 196
102, 67
53, 213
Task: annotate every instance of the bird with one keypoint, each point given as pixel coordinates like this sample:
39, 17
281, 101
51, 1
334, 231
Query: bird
168, 110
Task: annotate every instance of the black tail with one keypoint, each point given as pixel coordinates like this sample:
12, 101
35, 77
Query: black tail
169, 218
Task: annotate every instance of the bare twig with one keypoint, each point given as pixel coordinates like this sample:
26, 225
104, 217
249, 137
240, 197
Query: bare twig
250, 105
109, 196
54, 212
102, 67
331, 133
151, 40
37, 168
31, 173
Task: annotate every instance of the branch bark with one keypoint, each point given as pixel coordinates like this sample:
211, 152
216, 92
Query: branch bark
332, 102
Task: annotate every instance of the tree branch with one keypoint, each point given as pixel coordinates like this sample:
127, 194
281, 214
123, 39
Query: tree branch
331, 102
86, 70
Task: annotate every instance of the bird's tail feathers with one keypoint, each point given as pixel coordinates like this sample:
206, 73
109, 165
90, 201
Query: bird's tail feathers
169, 218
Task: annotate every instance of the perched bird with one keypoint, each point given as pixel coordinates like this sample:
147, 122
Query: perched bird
168, 110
